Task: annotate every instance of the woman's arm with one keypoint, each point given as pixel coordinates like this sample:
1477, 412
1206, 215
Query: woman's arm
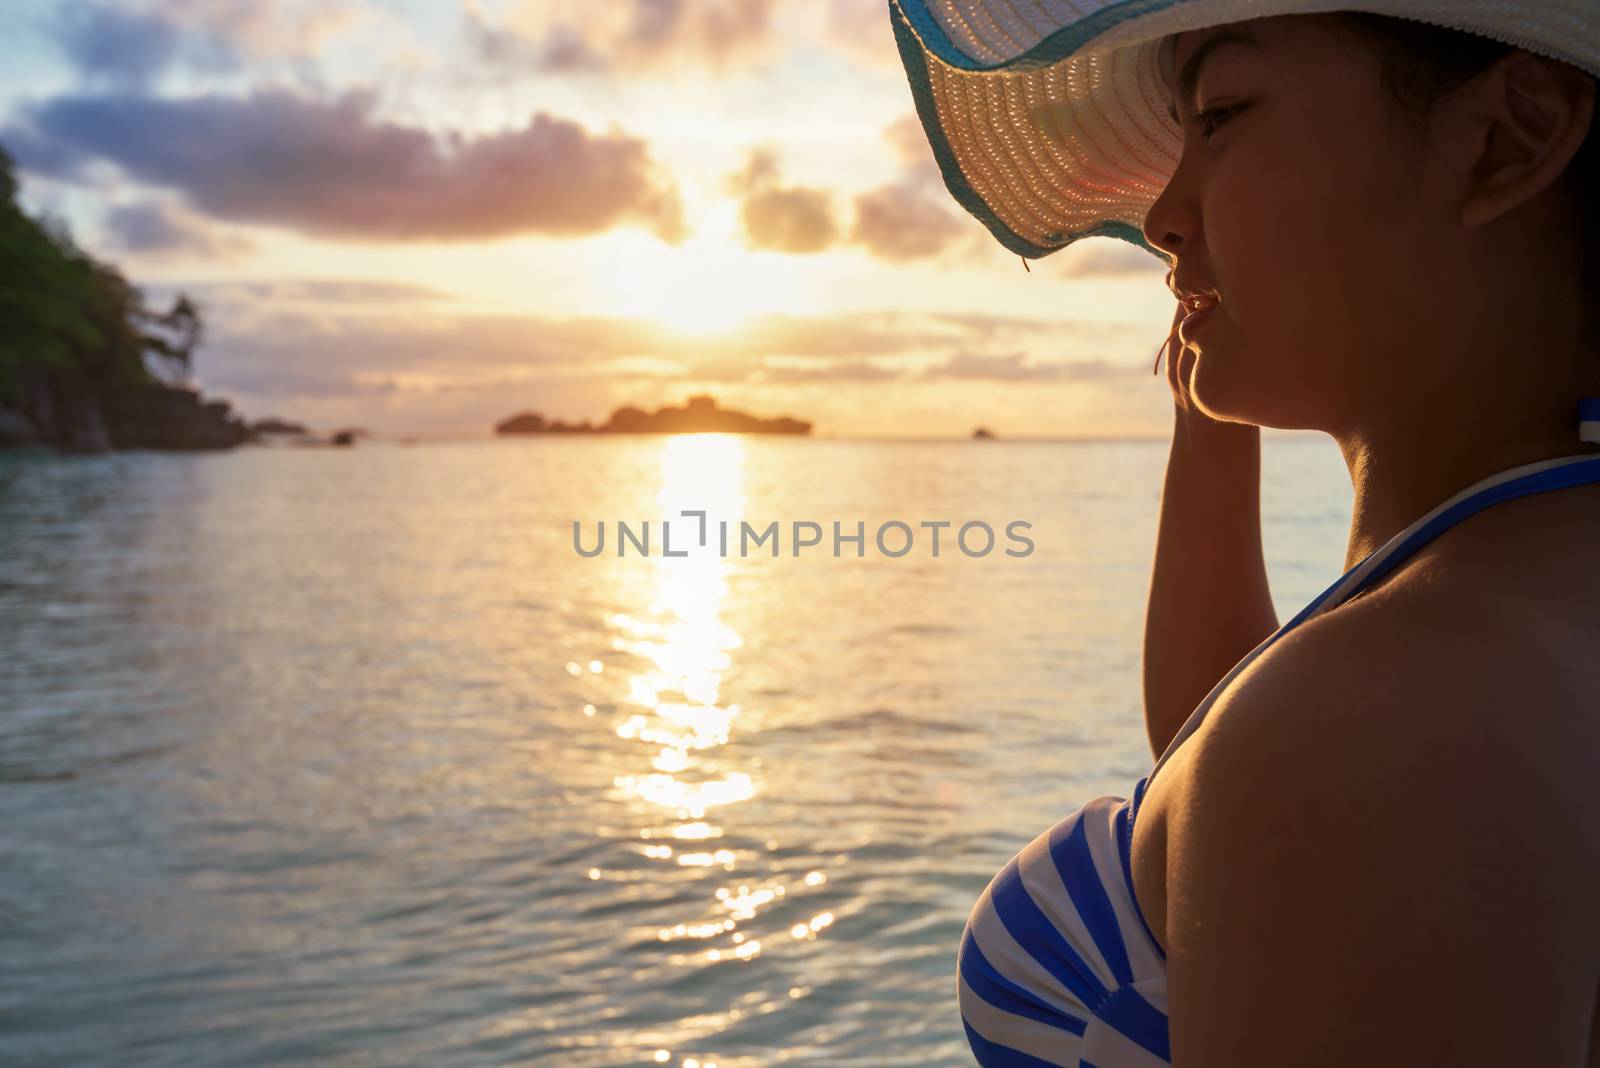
1209, 599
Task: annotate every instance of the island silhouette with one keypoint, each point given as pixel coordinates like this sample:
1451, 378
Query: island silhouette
699, 415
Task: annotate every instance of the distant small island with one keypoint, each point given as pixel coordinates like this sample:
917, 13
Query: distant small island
983, 433
699, 415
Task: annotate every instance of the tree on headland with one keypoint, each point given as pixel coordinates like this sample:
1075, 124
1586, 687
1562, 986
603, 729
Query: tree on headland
179, 332
46, 288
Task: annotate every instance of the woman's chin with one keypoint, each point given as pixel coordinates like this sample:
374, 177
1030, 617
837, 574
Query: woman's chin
1220, 392
1228, 393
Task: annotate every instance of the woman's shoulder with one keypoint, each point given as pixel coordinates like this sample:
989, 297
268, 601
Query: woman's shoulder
1444, 653
1442, 696
1387, 802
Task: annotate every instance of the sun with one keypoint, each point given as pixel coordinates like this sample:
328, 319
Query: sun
711, 284
702, 302
700, 287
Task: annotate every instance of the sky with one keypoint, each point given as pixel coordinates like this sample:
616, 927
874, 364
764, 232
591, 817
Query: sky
422, 216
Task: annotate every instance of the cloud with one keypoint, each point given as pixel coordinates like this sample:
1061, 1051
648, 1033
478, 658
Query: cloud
1110, 257
1015, 326
384, 354
712, 27
583, 36
732, 369
859, 371
122, 47
789, 220
152, 227
269, 29
420, 367
862, 30
501, 48
340, 291
912, 217
42, 154
332, 168
910, 143
878, 334
1012, 368
253, 328
904, 222
563, 36
128, 45
782, 218
851, 335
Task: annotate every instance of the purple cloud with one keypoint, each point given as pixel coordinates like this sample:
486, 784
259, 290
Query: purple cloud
110, 43
333, 168
152, 227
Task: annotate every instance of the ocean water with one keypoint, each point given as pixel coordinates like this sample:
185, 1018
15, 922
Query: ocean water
347, 757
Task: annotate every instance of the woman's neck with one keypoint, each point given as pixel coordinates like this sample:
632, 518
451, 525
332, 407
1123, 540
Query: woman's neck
1402, 471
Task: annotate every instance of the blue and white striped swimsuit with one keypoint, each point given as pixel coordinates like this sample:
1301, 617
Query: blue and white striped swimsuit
1057, 965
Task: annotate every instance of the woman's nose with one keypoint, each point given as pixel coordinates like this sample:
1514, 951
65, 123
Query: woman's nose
1171, 221
1162, 226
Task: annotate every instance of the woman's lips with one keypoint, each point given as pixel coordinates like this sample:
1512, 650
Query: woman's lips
1192, 321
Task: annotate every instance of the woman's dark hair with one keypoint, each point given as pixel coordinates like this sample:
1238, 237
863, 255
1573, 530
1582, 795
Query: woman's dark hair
1420, 63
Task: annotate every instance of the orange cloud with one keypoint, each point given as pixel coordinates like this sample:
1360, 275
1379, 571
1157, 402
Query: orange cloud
903, 222
782, 218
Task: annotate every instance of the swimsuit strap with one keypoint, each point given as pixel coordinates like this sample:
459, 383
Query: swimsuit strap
1557, 473
1589, 419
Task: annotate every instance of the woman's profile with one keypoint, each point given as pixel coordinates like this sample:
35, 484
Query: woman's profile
1370, 833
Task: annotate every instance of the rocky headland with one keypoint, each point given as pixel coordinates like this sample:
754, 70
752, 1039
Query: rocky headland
86, 365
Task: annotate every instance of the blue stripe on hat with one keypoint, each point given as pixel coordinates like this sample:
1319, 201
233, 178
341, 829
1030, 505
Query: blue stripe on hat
914, 54
1052, 48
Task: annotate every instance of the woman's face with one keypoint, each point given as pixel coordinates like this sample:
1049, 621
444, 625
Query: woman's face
1317, 224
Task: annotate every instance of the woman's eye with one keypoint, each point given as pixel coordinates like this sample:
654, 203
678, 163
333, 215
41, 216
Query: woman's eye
1208, 119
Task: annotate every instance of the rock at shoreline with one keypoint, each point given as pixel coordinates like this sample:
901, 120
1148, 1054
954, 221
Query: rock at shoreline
163, 417
699, 415
54, 406
525, 423
270, 426
15, 429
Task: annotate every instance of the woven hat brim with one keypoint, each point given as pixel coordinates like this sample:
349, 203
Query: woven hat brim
1048, 118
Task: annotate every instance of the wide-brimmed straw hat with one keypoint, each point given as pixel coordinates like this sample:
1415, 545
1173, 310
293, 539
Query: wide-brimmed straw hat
1049, 117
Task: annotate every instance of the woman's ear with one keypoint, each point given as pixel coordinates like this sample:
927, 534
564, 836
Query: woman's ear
1530, 115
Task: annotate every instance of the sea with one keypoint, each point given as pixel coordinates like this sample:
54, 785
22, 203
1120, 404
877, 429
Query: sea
362, 756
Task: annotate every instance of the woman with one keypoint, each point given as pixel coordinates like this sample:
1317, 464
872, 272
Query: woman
1373, 838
